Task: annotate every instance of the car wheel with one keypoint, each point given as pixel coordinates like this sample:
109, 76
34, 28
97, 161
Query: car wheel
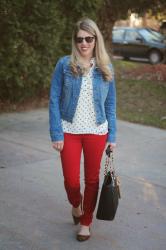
154, 56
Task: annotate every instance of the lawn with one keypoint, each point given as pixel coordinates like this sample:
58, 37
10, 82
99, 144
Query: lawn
141, 92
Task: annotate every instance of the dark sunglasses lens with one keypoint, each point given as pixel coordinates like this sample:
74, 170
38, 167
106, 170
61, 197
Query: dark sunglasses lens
89, 39
79, 39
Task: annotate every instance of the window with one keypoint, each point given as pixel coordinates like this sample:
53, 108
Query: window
117, 34
150, 36
132, 36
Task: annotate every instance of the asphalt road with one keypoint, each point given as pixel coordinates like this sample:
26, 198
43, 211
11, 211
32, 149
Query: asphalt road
34, 212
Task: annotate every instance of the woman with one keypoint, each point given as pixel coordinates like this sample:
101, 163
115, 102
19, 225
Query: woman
83, 117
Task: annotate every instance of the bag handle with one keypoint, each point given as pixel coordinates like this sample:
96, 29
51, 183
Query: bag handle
109, 167
108, 151
109, 164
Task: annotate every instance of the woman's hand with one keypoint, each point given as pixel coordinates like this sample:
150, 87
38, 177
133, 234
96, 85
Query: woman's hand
58, 145
112, 145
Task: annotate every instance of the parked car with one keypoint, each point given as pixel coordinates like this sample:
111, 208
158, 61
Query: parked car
139, 43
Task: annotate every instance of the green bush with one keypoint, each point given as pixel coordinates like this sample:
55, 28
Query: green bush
29, 46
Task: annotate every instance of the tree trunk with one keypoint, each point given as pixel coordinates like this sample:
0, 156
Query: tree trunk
106, 22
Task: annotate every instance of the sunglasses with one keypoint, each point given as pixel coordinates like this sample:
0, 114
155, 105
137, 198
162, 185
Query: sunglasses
88, 39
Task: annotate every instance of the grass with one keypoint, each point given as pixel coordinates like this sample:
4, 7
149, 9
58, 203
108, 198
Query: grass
140, 101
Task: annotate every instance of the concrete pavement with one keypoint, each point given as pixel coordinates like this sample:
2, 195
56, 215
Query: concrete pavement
34, 212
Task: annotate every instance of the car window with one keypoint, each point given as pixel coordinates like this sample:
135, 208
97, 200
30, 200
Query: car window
159, 35
131, 35
118, 34
149, 36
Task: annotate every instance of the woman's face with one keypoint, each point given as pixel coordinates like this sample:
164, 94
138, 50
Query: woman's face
85, 43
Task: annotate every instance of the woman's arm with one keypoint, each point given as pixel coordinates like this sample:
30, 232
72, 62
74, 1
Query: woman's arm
110, 109
56, 131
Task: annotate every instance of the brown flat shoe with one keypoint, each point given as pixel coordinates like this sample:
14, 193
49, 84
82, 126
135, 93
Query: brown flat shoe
82, 237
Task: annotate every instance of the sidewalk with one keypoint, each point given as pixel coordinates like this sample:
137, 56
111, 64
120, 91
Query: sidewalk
34, 212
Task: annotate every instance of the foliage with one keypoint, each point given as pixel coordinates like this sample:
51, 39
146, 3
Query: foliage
30, 33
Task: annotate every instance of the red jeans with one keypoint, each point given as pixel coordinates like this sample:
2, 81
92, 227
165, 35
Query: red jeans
93, 147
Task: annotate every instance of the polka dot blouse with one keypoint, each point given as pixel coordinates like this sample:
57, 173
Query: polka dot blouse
84, 121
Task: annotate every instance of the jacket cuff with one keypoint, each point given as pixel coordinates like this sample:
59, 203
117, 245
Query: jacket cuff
56, 136
111, 138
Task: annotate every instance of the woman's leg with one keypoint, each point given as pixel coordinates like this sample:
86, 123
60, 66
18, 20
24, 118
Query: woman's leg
93, 147
70, 158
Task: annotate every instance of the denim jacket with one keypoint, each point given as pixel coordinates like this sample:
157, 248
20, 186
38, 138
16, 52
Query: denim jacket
64, 94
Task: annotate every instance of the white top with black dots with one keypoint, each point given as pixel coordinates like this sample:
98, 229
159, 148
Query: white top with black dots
84, 121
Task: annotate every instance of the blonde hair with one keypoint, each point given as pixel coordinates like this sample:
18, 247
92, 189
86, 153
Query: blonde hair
100, 53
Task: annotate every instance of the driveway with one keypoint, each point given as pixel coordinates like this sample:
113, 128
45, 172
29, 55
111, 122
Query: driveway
34, 212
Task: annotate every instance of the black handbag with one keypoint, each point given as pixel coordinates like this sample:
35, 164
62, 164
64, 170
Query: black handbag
110, 191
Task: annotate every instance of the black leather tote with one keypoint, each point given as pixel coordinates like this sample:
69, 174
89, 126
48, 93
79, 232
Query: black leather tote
110, 191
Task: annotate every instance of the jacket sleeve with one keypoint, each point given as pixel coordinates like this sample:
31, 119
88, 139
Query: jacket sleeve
110, 110
56, 131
